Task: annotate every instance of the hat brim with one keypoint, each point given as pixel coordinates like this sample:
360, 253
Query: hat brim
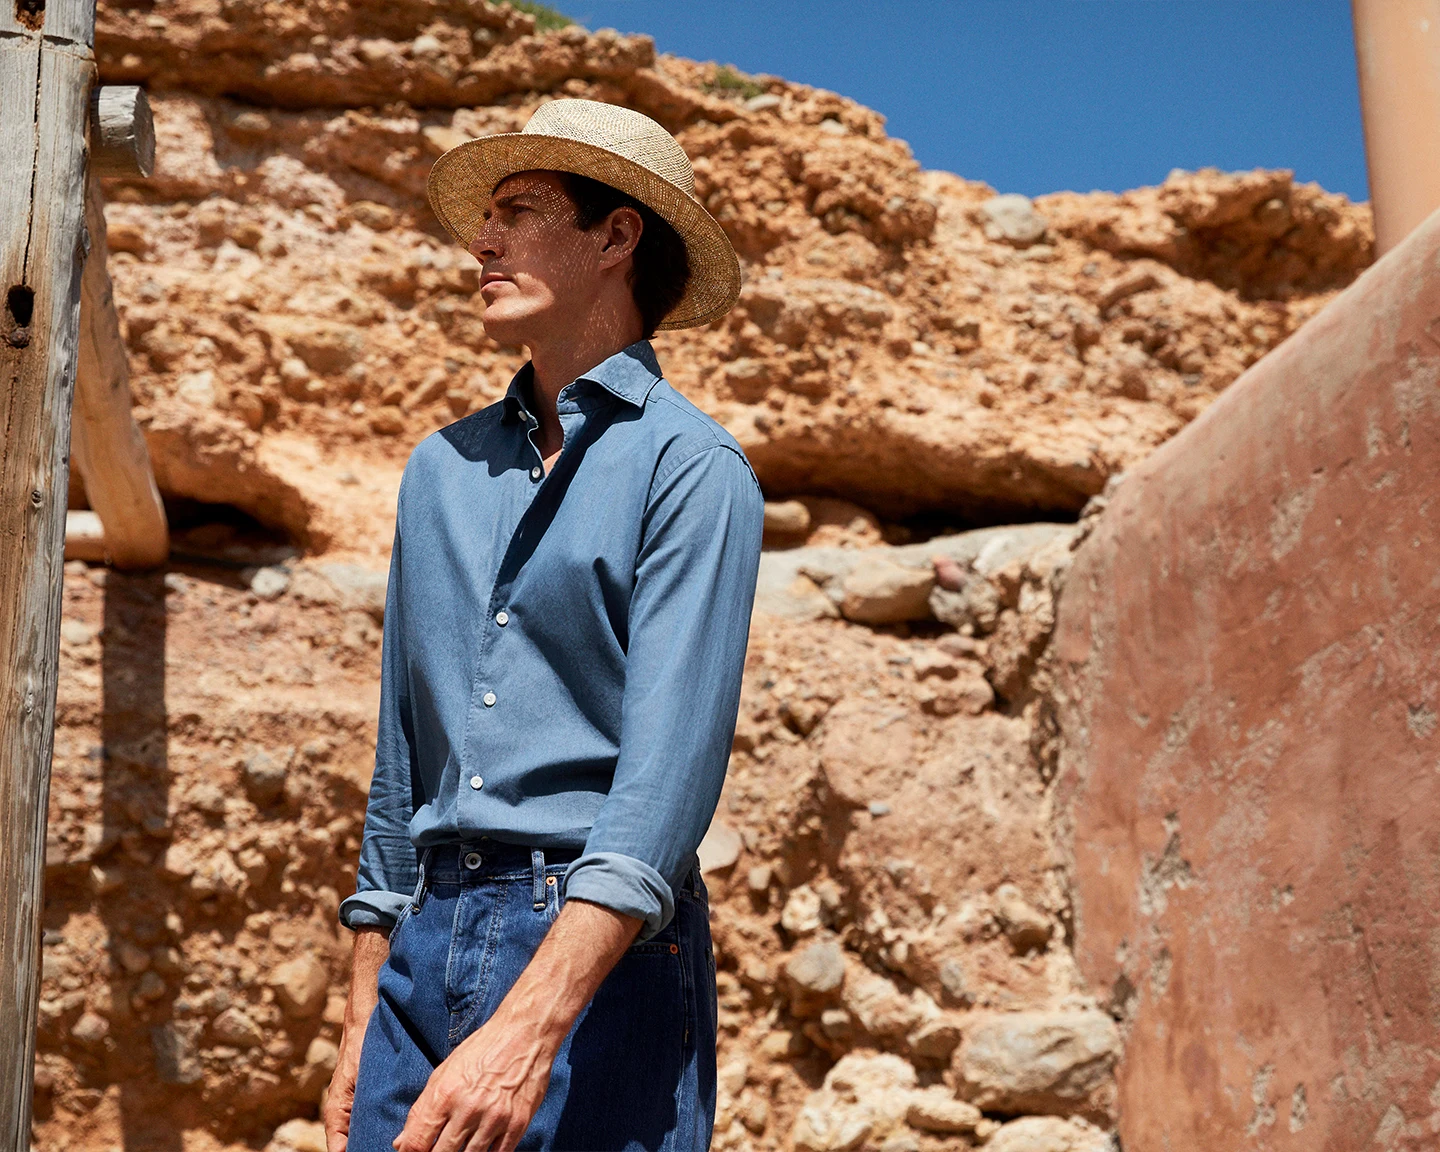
462, 179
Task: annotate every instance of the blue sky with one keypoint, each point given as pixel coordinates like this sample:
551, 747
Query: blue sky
1038, 95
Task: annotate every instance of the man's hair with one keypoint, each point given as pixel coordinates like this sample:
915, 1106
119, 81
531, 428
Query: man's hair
660, 267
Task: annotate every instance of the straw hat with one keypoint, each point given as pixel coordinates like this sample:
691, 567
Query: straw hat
616, 146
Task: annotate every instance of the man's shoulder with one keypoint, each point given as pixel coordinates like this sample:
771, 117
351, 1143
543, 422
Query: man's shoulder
468, 438
684, 429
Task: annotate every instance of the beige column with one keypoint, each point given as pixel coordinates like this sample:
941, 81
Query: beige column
1397, 49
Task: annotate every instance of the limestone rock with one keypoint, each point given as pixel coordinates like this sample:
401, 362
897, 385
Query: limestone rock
864, 1096
882, 1009
1025, 926
1049, 1134
301, 984
825, 1125
1012, 219
268, 583
264, 774
1043, 1062
91, 1029
818, 969
803, 911
786, 519
878, 591
720, 847
234, 1026
359, 588
935, 1038
937, 1110
298, 1136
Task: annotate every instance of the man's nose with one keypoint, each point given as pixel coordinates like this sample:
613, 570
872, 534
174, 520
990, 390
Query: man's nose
485, 244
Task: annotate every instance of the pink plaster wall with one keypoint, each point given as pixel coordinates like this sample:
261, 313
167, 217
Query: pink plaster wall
1249, 649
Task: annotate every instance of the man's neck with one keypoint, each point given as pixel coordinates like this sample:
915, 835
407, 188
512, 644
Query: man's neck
560, 361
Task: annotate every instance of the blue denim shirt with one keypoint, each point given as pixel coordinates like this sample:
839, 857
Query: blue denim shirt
563, 652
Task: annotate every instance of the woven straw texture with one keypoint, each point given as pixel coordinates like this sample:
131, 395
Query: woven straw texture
616, 146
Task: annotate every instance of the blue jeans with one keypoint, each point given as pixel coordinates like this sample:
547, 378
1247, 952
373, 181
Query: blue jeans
636, 1072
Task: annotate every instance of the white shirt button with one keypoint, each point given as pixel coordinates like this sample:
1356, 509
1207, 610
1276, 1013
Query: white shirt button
476, 783
502, 618
489, 699
536, 472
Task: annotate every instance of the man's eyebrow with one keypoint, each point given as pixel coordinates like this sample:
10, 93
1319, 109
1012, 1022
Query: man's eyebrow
509, 198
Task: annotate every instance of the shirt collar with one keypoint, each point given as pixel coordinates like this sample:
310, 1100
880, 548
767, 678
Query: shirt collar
630, 374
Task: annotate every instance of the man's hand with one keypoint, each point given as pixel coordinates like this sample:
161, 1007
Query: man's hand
488, 1090
372, 947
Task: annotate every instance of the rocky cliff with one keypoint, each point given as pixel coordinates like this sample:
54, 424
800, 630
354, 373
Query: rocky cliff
931, 380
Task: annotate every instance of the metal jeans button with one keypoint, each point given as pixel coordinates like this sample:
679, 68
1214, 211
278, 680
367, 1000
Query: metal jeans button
472, 860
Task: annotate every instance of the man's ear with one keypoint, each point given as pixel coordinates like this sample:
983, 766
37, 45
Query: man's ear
622, 234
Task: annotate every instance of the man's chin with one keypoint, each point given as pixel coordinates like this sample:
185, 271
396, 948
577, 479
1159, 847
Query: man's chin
511, 326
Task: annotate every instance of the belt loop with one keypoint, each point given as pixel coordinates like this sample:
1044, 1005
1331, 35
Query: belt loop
537, 878
419, 896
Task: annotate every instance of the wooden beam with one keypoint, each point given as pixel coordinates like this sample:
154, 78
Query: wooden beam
47, 68
109, 450
84, 536
122, 132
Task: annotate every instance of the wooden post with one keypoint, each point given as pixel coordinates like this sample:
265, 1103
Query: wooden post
1397, 54
110, 452
47, 69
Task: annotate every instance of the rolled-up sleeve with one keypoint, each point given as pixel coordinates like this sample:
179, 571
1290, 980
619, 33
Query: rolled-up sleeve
689, 620
388, 867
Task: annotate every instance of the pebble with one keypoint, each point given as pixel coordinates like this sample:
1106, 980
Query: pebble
1037, 1061
322, 1054
269, 583
879, 591
1012, 219
1046, 1134
720, 848
264, 775
90, 1029
298, 1136
786, 518
235, 1027
801, 914
936, 1110
1026, 927
818, 970
301, 985
952, 981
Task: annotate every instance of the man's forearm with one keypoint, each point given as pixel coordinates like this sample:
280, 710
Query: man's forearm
583, 945
372, 947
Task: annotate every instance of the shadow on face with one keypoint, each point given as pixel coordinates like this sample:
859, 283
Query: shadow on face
537, 266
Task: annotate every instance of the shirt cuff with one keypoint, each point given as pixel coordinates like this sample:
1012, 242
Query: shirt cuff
622, 884
372, 909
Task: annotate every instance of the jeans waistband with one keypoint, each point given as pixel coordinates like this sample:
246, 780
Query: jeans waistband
473, 863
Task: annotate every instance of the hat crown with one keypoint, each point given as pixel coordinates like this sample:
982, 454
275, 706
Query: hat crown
623, 131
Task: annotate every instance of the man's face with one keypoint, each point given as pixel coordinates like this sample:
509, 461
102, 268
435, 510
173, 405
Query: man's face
537, 267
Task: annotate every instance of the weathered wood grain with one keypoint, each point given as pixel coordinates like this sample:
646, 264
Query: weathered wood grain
122, 131
109, 450
45, 82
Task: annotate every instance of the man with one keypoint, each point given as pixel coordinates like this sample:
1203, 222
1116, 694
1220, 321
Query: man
565, 629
